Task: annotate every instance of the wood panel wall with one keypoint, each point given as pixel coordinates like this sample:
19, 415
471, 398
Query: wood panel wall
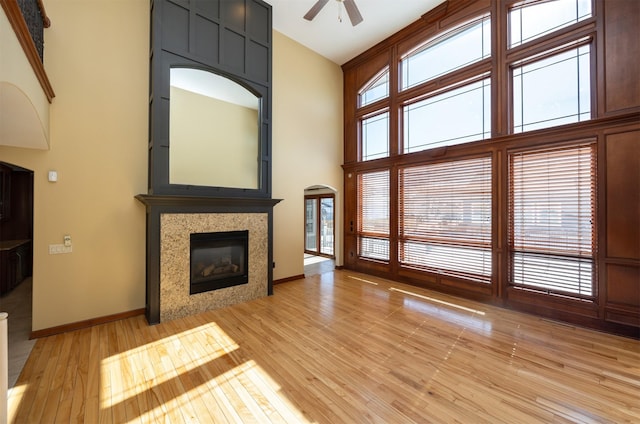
621, 274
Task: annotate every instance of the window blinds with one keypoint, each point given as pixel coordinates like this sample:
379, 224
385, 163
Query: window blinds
445, 218
552, 211
373, 218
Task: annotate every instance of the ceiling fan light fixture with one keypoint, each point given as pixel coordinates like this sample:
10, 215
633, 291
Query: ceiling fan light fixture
349, 6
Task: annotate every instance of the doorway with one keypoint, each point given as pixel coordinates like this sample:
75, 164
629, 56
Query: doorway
319, 231
16, 262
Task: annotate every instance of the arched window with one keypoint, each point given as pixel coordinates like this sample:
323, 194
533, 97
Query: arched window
377, 88
470, 42
432, 118
374, 125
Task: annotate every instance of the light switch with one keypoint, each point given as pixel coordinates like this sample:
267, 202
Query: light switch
53, 176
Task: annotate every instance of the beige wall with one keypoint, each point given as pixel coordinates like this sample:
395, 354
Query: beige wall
97, 60
307, 145
97, 56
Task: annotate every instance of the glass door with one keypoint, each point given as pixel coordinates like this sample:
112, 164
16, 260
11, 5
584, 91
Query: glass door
326, 225
310, 226
319, 229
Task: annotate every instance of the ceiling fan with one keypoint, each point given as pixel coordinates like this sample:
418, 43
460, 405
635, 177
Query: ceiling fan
349, 5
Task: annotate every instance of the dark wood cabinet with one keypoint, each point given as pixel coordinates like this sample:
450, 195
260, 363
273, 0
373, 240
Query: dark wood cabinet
16, 225
15, 263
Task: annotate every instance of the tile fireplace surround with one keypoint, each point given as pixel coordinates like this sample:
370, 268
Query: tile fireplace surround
170, 222
175, 229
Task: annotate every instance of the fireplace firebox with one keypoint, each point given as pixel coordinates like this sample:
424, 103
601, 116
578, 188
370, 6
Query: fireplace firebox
218, 260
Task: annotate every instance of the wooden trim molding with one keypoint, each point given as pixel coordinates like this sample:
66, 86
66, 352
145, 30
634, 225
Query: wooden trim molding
447, 8
84, 324
14, 14
287, 279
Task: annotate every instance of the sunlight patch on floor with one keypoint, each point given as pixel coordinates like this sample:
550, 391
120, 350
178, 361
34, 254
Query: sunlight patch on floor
441, 302
245, 386
362, 280
15, 396
309, 260
142, 356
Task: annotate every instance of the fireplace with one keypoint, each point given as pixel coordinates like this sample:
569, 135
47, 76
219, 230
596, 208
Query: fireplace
175, 210
171, 222
218, 260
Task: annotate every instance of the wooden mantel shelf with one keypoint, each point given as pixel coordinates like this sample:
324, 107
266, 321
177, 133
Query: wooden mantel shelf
171, 200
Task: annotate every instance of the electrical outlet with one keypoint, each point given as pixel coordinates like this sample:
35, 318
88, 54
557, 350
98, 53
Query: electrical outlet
56, 249
67, 240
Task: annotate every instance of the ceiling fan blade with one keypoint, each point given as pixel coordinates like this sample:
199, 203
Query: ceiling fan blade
353, 12
315, 9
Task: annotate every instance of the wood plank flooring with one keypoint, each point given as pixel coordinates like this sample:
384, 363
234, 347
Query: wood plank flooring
340, 347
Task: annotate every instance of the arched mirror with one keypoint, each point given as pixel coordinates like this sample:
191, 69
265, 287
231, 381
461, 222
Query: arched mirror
214, 130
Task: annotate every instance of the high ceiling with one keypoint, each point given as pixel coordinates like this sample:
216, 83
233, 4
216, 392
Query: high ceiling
339, 41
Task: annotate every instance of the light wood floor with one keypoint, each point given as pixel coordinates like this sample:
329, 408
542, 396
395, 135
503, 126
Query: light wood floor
334, 348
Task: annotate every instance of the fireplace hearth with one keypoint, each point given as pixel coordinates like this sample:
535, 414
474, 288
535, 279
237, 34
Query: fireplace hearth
218, 260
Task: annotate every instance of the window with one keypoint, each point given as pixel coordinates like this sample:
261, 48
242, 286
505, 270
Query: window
552, 211
436, 121
552, 91
375, 137
533, 20
376, 89
492, 119
470, 43
445, 218
374, 126
373, 215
